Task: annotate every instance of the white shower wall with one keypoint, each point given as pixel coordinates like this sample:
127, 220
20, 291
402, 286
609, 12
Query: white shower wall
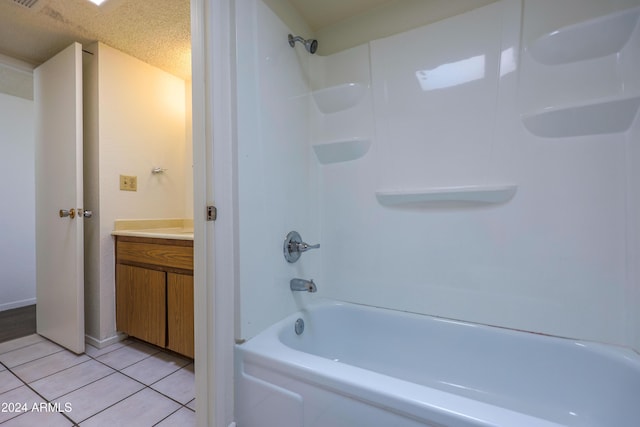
276, 174
440, 111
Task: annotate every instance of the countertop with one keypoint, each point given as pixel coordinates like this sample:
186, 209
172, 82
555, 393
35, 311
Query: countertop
178, 229
158, 233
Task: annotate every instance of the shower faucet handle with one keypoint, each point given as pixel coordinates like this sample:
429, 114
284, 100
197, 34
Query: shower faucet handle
294, 246
303, 247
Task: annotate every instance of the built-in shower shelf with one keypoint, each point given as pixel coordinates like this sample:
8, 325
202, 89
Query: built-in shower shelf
465, 193
590, 39
338, 98
594, 118
341, 151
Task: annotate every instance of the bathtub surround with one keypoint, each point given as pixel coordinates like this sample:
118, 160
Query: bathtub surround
277, 173
436, 179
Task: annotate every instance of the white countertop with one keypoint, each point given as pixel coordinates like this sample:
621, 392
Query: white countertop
179, 229
158, 233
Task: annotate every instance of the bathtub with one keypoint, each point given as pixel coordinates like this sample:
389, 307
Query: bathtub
357, 366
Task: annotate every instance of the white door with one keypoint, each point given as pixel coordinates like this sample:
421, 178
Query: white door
59, 238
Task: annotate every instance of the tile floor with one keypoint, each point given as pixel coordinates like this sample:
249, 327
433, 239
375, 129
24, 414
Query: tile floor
125, 384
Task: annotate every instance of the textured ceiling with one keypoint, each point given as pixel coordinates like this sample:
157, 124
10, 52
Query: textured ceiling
154, 31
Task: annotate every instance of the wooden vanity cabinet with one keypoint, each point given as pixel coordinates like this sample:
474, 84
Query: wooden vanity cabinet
140, 303
180, 313
154, 291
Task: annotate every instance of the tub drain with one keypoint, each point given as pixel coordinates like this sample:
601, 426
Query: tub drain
299, 326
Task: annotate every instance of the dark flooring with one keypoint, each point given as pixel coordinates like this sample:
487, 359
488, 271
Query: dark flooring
17, 322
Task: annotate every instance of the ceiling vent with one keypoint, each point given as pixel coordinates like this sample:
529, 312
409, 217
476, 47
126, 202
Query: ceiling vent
26, 3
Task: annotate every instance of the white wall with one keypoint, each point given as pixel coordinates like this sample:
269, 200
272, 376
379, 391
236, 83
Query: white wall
556, 258
139, 123
275, 170
188, 152
17, 189
16, 77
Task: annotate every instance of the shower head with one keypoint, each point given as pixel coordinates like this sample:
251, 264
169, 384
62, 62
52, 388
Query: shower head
311, 45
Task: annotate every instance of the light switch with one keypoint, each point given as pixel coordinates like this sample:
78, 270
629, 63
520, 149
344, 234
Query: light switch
128, 183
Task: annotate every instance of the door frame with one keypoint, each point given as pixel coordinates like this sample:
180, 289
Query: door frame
213, 83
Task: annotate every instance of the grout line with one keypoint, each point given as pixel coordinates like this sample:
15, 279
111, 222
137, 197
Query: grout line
125, 367
113, 404
11, 389
44, 399
145, 386
37, 358
26, 345
53, 373
167, 416
125, 343
62, 370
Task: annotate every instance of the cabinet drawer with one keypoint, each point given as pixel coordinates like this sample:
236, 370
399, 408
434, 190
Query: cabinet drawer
155, 254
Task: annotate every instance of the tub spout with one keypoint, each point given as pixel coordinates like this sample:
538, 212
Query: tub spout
302, 285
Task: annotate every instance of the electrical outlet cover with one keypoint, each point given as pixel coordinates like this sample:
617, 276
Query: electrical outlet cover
128, 183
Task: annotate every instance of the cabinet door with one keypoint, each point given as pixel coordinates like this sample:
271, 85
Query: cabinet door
180, 313
140, 303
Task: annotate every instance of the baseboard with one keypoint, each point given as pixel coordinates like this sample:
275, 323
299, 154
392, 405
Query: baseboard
105, 342
17, 304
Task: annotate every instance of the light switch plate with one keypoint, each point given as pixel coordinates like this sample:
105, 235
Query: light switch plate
128, 183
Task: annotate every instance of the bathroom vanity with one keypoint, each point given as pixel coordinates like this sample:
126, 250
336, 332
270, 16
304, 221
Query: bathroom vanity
154, 287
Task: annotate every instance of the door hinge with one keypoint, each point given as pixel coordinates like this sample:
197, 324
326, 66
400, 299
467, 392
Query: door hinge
212, 213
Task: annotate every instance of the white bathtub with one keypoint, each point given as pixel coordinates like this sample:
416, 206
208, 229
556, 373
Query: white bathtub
361, 366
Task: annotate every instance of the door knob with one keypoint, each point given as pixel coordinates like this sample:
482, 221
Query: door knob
71, 213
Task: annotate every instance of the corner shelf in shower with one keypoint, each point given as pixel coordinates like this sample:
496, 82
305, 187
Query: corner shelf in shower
341, 151
338, 98
610, 115
466, 193
590, 39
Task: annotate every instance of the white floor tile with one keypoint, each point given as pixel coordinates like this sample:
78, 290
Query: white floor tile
181, 418
127, 355
144, 408
45, 366
95, 393
20, 342
63, 382
179, 386
22, 395
97, 352
99, 395
27, 354
31, 419
155, 367
8, 381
